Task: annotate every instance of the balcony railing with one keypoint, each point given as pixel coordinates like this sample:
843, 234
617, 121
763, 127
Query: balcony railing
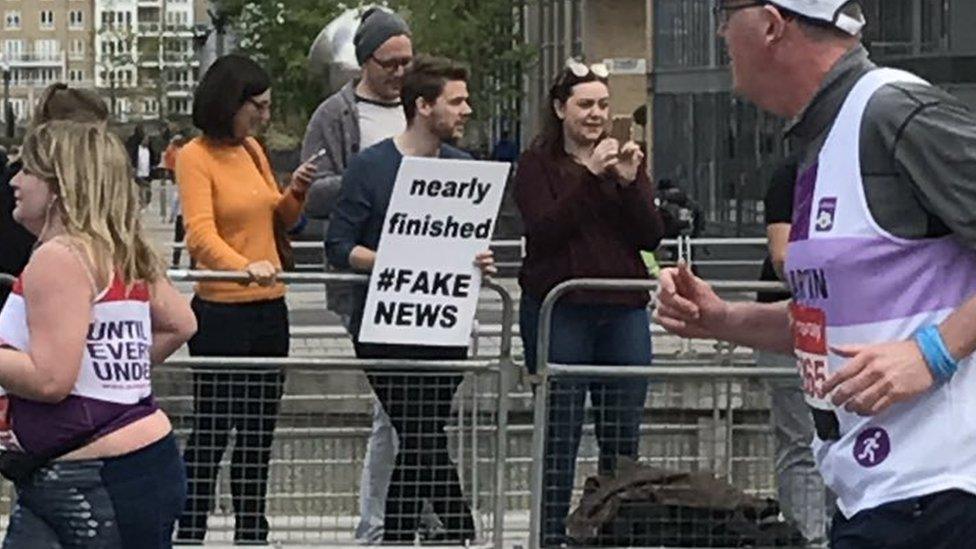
34, 58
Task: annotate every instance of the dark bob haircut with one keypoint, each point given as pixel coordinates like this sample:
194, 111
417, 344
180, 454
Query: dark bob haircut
227, 85
426, 78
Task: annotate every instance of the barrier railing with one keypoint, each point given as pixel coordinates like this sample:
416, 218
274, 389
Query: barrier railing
684, 246
477, 428
558, 380
500, 367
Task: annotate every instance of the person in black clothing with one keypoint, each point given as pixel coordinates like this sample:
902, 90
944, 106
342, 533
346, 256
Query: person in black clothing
17, 241
418, 402
58, 102
799, 485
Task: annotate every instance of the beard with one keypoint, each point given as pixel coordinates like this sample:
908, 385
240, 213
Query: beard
447, 132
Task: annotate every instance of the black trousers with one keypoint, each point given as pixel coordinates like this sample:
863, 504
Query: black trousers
179, 233
944, 520
419, 406
242, 400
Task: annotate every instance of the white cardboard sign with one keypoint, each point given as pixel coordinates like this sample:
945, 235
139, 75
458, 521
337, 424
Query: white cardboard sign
424, 286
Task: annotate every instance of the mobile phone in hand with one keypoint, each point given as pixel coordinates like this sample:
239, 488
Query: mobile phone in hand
621, 129
318, 154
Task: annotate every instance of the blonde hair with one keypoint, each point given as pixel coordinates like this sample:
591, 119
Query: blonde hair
89, 172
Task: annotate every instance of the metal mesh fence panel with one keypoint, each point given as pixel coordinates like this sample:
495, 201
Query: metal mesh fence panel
709, 458
283, 457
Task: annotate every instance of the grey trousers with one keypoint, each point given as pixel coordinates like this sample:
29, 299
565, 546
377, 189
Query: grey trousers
800, 489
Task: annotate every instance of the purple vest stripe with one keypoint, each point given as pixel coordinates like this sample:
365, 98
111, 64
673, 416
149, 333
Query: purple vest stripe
874, 279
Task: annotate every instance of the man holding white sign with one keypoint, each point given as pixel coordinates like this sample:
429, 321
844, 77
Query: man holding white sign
418, 213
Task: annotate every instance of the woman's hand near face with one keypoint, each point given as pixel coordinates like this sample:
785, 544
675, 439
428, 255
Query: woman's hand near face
628, 162
604, 156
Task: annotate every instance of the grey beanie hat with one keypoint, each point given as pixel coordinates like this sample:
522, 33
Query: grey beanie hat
377, 26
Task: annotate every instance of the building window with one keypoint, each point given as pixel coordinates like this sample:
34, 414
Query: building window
19, 106
77, 51
12, 20
178, 106
76, 75
48, 76
177, 20
47, 20
76, 20
13, 49
47, 49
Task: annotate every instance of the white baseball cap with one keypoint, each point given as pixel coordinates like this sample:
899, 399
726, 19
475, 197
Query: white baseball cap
829, 11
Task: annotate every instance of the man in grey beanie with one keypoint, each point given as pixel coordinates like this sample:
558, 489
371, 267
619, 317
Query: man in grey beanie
364, 112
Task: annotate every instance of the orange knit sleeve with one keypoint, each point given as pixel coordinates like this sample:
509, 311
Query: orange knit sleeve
193, 168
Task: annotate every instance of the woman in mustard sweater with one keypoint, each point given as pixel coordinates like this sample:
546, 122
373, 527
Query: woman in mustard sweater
230, 200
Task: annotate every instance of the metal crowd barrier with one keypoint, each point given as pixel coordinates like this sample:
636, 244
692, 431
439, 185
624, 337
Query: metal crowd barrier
702, 443
471, 429
684, 247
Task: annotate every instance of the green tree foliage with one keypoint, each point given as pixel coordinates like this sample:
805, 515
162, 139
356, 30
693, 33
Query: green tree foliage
484, 34
279, 35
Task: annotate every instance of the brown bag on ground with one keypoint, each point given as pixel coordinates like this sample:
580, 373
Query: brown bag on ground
644, 506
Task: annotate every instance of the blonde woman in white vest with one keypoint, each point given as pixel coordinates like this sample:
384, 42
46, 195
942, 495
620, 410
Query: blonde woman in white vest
92, 456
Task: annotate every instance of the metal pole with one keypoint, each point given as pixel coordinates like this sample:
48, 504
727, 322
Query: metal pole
6, 102
501, 444
475, 489
506, 367
539, 446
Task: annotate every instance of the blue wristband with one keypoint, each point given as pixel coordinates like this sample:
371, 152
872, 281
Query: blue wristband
935, 352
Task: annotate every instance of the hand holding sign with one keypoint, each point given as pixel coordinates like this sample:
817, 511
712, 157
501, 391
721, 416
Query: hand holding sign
486, 262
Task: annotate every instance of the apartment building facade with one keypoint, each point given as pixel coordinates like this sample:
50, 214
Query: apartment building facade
145, 59
139, 54
42, 42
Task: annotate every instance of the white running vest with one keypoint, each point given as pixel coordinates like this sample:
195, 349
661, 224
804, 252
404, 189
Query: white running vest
855, 283
114, 383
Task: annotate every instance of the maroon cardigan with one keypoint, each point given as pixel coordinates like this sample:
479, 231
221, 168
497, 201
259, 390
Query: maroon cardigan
579, 225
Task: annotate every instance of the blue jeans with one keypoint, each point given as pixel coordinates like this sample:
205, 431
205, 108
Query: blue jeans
596, 335
112, 503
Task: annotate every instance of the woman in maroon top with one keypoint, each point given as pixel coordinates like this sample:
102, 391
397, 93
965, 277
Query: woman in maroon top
588, 208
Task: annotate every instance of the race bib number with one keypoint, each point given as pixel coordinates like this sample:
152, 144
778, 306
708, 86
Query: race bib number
810, 346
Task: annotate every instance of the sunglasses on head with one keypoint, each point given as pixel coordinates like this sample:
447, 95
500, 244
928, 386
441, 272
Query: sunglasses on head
581, 70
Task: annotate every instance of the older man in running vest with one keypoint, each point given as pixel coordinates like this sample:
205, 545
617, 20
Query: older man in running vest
881, 267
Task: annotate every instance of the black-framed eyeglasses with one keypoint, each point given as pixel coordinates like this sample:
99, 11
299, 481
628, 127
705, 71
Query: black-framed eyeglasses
393, 64
724, 11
